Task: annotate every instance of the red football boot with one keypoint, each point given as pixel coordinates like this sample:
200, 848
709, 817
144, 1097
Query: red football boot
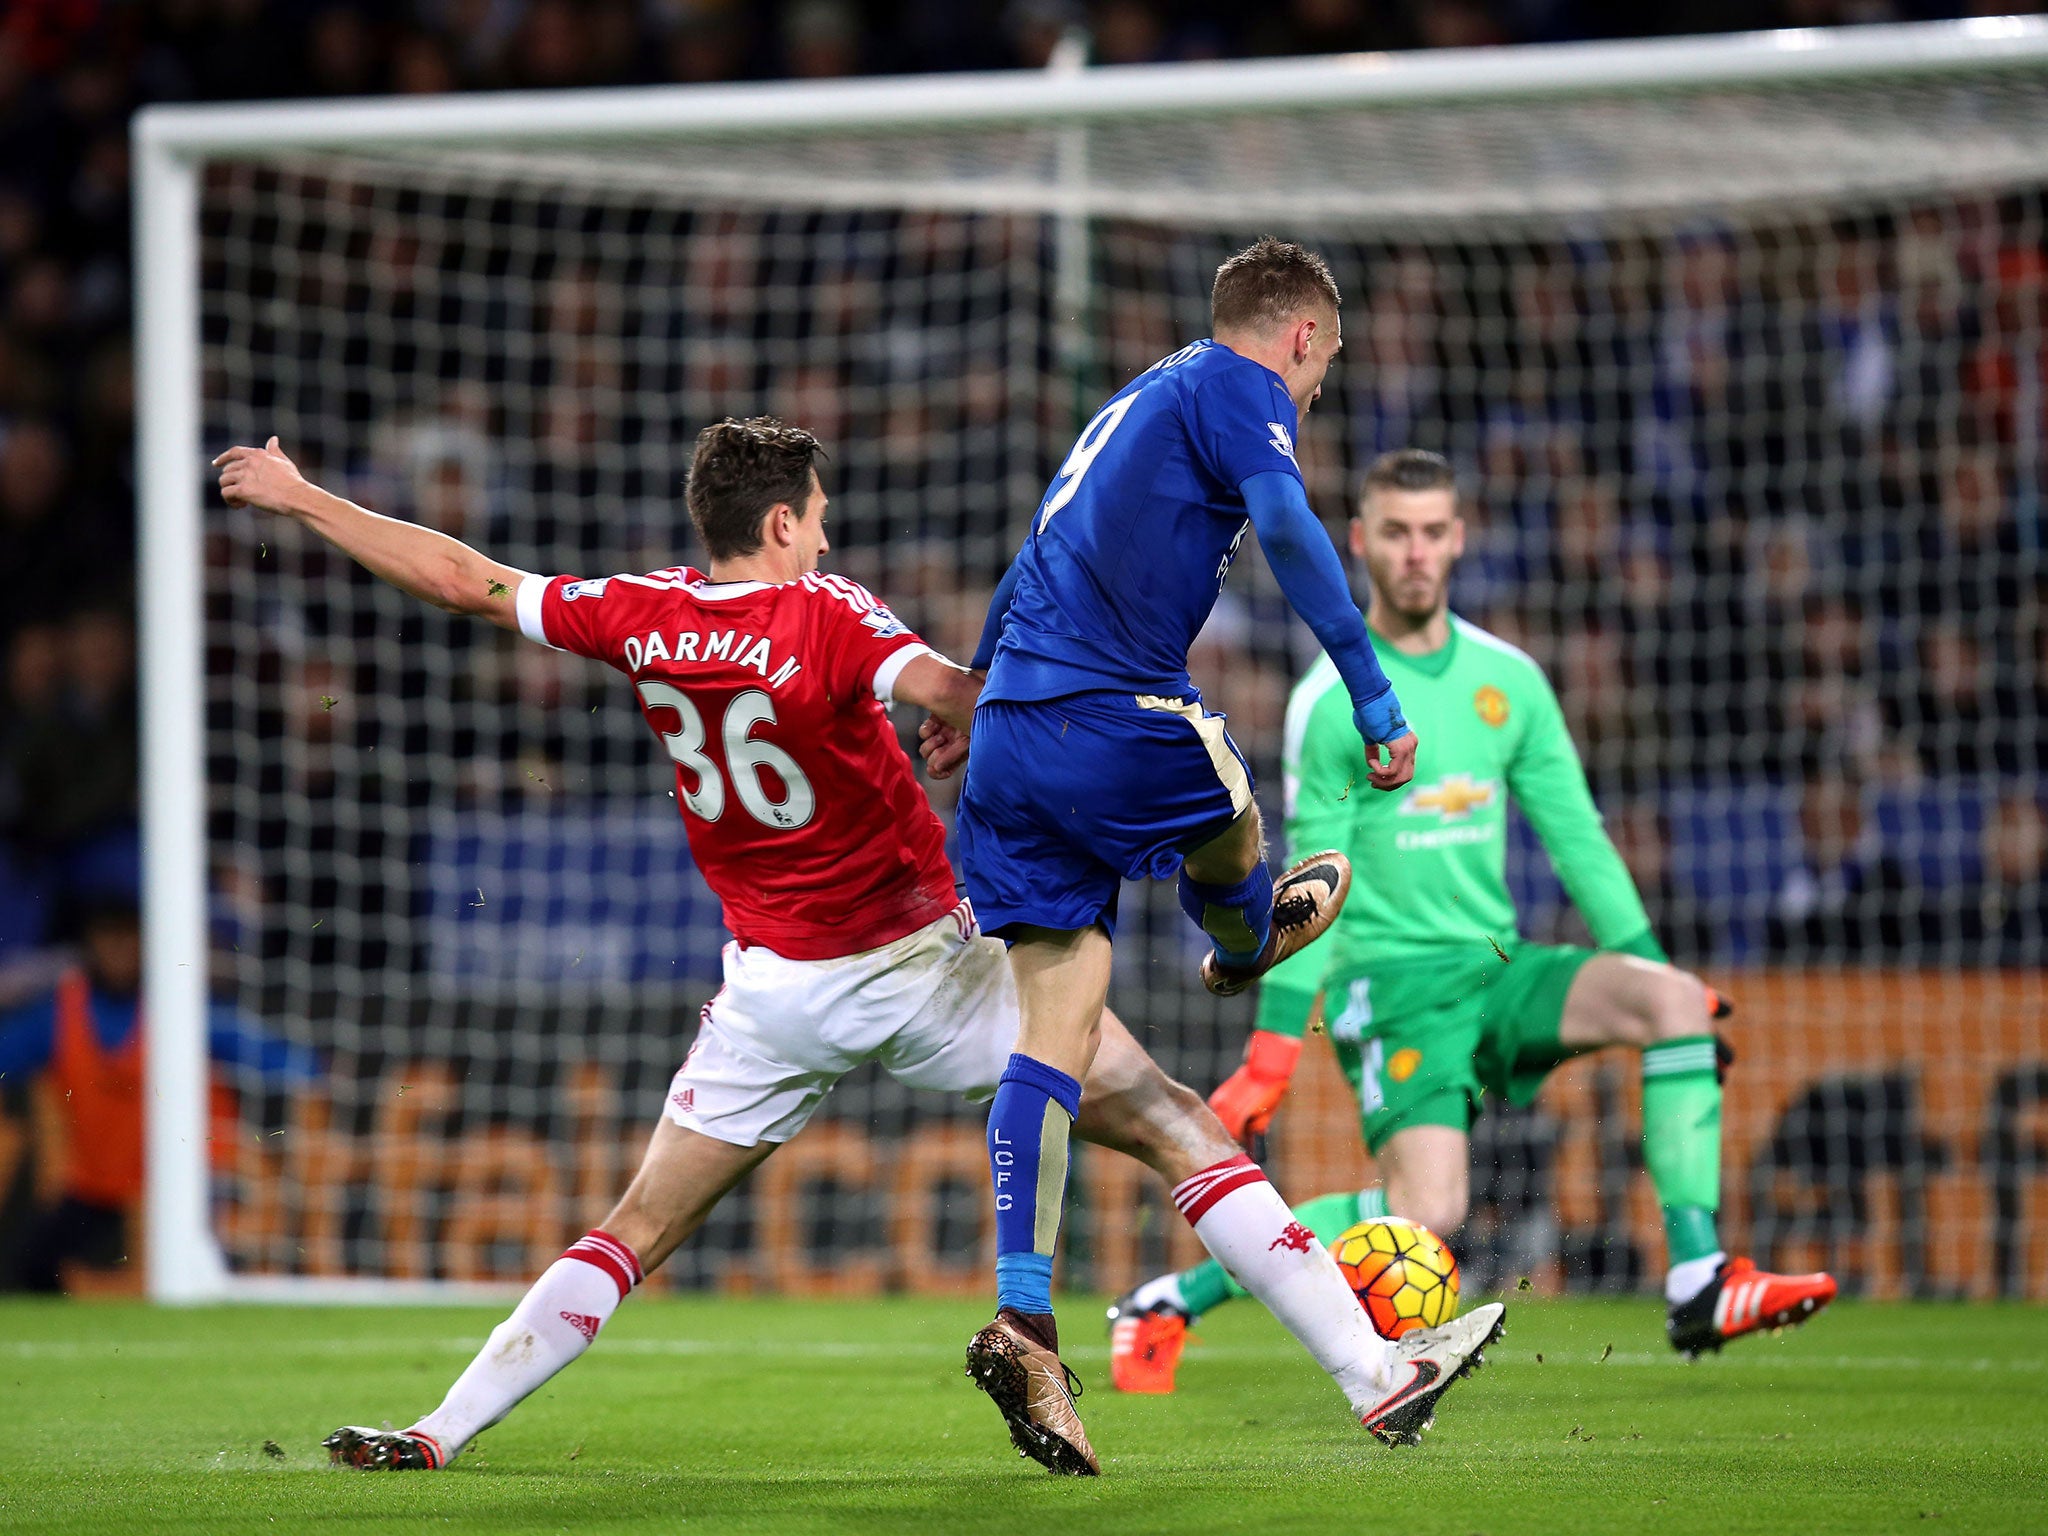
1144, 1350
1742, 1299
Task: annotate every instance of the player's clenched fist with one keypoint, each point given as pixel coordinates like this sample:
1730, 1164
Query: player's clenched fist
1380, 721
259, 477
942, 747
1245, 1100
1399, 767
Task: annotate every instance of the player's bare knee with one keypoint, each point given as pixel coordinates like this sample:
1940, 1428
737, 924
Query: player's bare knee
1440, 1210
1439, 1205
1091, 1038
1450, 1212
1676, 1006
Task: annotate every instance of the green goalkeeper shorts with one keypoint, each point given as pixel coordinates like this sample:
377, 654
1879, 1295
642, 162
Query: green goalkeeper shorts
1422, 1041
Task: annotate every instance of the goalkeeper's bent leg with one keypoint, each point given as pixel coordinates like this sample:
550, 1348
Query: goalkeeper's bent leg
1682, 1149
1666, 1013
683, 1176
1682, 1125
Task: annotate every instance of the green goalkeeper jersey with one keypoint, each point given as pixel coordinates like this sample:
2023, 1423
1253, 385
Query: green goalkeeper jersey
1430, 859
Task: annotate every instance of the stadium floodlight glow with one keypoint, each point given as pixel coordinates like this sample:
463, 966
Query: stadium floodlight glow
509, 312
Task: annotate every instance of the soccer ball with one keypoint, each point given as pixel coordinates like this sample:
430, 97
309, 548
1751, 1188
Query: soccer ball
1402, 1273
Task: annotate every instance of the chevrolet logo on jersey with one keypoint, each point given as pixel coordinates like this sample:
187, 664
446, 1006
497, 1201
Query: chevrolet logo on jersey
1283, 440
1452, 798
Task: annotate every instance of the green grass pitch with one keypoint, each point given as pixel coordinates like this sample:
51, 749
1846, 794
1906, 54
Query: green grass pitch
711, 1415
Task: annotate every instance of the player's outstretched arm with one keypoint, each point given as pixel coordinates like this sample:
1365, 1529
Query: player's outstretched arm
1311, 576
429, 565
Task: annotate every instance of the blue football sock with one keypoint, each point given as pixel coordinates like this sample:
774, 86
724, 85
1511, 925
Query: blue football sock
1034, 1108
1238, 917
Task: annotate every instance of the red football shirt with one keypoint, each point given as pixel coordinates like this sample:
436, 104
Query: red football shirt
801, 808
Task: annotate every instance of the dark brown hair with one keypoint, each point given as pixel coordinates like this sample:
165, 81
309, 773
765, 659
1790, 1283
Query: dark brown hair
739, 471
1407, 469
1268, 283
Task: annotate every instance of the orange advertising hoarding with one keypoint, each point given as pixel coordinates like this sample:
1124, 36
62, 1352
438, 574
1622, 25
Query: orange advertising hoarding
1955, 1058
1890, 1124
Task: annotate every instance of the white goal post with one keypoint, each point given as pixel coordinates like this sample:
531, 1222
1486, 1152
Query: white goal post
1484, 142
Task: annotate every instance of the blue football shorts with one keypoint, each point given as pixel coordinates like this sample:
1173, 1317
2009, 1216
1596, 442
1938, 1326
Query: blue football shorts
1067, 798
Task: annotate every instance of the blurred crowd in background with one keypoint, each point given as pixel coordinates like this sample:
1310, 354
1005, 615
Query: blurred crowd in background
1767, 499
1946, 532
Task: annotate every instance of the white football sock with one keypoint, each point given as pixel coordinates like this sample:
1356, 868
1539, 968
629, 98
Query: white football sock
1685, 1281
1165, 1291
553, 1324
1242, 1220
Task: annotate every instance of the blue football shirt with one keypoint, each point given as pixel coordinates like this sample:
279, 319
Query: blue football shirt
1131, 545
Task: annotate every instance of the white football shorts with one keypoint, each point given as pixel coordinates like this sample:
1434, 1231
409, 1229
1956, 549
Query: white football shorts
937, 1008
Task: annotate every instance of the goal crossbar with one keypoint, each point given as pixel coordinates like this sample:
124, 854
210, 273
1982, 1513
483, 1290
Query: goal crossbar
1118, 92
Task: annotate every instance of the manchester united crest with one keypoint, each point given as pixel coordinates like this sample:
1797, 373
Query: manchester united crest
1492, 705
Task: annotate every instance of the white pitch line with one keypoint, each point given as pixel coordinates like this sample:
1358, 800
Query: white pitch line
1756, 1358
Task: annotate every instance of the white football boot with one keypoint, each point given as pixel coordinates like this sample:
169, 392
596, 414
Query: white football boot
1427, 1361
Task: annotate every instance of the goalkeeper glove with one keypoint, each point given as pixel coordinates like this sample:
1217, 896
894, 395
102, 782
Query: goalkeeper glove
1245, 1100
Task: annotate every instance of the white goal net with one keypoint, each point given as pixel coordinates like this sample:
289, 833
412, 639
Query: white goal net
1741, 348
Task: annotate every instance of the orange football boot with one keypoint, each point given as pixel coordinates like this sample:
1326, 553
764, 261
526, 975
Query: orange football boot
1144, 1350
1742, 1299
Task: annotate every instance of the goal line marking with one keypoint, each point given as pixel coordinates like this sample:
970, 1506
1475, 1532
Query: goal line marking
794, 1349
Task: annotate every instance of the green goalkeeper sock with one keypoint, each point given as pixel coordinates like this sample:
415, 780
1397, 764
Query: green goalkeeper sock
1682, 1141
1208, 1285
